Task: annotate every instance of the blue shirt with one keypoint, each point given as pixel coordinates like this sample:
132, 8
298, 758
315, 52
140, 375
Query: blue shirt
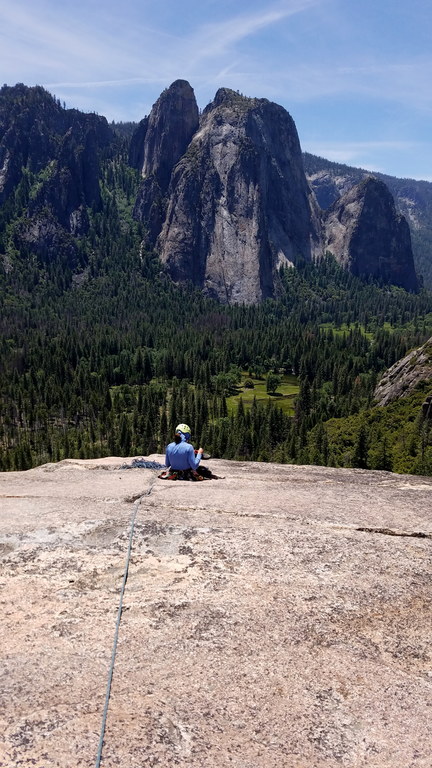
181, 456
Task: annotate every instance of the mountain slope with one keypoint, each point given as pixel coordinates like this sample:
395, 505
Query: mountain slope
367, 236
50, 177
402, 378
413, 199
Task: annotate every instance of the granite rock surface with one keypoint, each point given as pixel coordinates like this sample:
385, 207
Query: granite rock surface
156, 146
402, 378
367, 235
278, 616
239, 206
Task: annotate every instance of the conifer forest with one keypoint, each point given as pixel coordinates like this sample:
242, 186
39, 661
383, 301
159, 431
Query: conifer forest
104, 355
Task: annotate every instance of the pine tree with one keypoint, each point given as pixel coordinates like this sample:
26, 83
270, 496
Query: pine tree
360, 452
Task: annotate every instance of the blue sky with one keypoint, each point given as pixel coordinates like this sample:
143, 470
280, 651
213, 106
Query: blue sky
354, 74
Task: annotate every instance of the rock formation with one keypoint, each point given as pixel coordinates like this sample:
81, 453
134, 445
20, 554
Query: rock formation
62, 149
404, 376
31, 122
413, 199
136, 146
157, 145
368, 237
228, 203
278, 617
224, 198
239, 206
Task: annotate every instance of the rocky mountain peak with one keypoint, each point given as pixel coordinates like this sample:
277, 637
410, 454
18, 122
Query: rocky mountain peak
225, 97
36, 131
239, 205
413, 199
172, 122
367, 235
58, 150
157, 145
227, 202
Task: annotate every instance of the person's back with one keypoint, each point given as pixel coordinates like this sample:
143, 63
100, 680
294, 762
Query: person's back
180, 454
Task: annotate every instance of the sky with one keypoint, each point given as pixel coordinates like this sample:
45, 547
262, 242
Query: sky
355, 75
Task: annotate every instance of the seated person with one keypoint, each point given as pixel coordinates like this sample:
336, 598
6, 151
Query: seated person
180, 454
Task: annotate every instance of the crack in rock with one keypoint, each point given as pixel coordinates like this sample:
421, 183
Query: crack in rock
390, 532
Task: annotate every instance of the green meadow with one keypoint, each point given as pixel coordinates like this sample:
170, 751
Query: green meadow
284, 397
411, 325
343, 328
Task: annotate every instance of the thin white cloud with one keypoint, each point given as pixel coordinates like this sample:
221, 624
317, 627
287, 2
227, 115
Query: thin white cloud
407, 83
56, 40
60, 43
117, 59
213, 39
105, 83
101, 58
354, 148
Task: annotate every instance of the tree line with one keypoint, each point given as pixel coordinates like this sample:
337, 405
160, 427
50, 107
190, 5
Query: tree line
106, 359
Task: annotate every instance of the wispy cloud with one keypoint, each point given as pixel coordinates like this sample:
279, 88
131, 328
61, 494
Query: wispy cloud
100, 56
51, 45
404, 82
125, 81
314, 57
60, 43
216, 38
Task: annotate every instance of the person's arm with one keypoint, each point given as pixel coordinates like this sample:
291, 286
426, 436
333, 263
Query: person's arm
167, 460
194, 460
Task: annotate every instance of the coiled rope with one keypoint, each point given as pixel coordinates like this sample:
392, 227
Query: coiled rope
119, 615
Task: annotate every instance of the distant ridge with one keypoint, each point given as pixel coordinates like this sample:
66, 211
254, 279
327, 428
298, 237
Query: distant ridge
413, 199
224, 200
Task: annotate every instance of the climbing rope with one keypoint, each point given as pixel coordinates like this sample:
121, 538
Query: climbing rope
119, 614
143, 464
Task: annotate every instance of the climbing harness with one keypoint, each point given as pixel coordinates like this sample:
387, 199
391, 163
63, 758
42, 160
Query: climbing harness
119, 614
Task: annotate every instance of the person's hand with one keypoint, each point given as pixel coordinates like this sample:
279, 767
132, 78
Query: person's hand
200, 450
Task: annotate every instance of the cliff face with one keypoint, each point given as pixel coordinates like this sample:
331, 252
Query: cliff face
30, 123
413, 199
238, 205
72, 181
136, 146
157, 145
368, 237
227, 203
404, 376
60, 149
